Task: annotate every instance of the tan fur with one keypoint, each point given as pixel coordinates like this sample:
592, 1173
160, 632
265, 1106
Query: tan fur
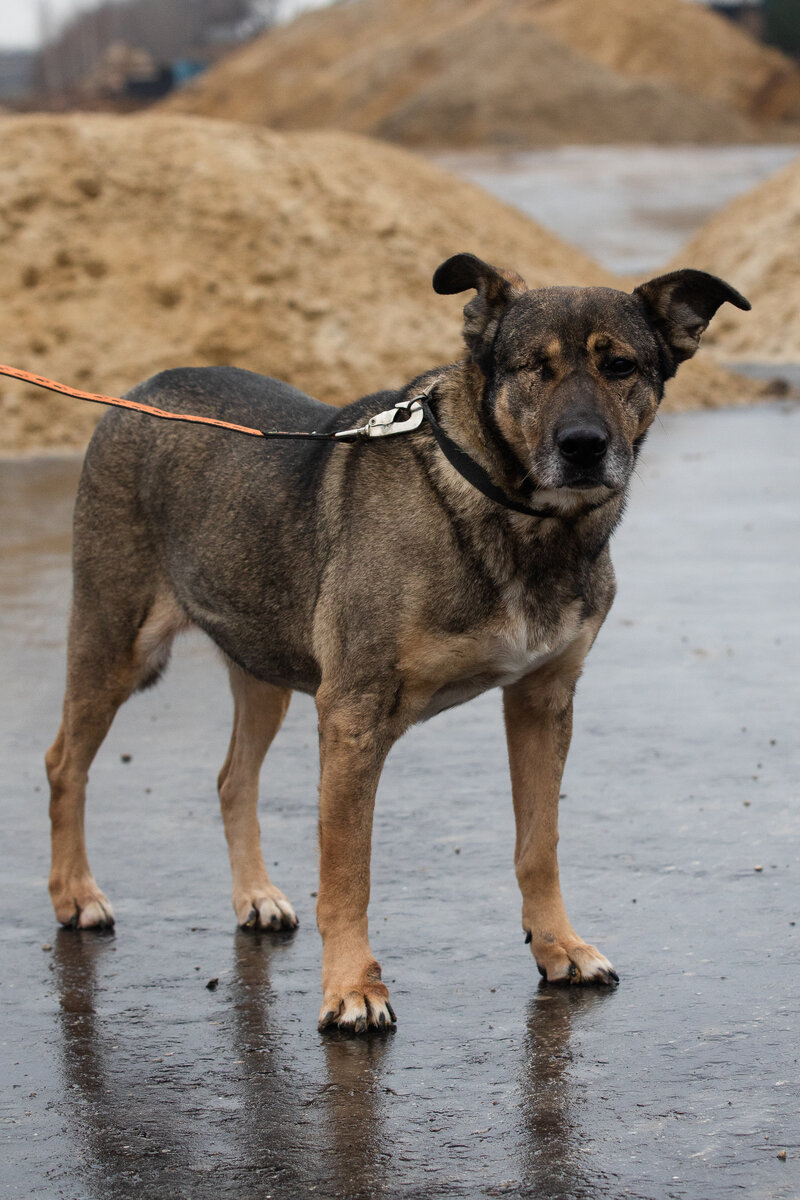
538, 716
352, 752
443, 672
259, 709
87, 716
153, 644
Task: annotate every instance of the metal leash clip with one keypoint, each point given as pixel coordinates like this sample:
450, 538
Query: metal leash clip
404, 417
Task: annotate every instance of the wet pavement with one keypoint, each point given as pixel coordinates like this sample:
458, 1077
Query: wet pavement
122, 1073
630, 207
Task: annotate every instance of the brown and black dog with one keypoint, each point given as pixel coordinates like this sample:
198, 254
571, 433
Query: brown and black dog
377, 578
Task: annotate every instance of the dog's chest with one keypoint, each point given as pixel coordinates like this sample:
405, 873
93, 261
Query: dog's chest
515, 643
521, 645
520, 641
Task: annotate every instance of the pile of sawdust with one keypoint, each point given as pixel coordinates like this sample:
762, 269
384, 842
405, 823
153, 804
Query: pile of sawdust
755, 243
131, 244
506, 72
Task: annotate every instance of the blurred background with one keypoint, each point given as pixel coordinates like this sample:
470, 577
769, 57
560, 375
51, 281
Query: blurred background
271, 183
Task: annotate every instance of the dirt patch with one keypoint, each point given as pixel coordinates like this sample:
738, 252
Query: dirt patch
132, 244
755, 242
506, 72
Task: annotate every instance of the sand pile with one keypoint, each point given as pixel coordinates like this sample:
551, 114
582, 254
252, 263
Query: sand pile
755, 241
131, 244
505, 72
680, 43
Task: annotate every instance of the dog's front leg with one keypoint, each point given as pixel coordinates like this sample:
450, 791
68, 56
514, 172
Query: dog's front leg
538, 716
352, 751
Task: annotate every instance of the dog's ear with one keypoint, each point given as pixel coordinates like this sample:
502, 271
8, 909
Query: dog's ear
496, 289
681, 304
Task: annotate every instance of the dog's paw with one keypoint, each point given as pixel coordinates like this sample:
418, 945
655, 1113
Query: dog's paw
357, 1011
265, 908
82, 905
568, 960
356, 1000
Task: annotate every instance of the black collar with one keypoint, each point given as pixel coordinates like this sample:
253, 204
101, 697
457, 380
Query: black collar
471, 470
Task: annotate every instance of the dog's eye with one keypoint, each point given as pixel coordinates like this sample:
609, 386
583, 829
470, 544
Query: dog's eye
542, 368
620, 368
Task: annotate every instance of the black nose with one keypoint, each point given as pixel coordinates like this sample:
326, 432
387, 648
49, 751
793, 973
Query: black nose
582, 445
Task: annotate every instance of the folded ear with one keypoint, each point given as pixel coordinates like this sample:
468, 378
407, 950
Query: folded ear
496, 289
681, 304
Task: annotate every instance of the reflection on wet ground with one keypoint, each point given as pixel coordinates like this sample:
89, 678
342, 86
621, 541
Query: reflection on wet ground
630, 207
124, 1074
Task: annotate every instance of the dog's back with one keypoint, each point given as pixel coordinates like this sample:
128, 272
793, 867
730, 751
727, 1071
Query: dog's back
144, 536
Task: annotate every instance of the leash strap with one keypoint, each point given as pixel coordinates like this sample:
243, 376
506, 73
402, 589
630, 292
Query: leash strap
52, 385
404, 417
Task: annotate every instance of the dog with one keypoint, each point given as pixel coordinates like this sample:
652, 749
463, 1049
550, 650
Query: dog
389, 578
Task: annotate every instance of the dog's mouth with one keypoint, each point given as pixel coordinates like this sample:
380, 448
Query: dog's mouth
574, 501
605, 477
586, 483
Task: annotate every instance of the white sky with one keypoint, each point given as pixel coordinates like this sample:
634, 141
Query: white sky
20, 27
19, 20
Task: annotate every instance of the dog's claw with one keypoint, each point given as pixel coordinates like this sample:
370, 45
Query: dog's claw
271, 911
609, 977
95, 915
357, 1012
587, 967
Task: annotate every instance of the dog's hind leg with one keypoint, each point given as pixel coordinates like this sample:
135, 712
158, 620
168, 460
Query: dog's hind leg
259, 709
76, 897
119, 641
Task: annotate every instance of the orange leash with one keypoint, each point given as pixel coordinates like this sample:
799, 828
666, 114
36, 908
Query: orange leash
53, 386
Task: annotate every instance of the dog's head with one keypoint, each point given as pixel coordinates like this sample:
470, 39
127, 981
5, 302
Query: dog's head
574, 376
